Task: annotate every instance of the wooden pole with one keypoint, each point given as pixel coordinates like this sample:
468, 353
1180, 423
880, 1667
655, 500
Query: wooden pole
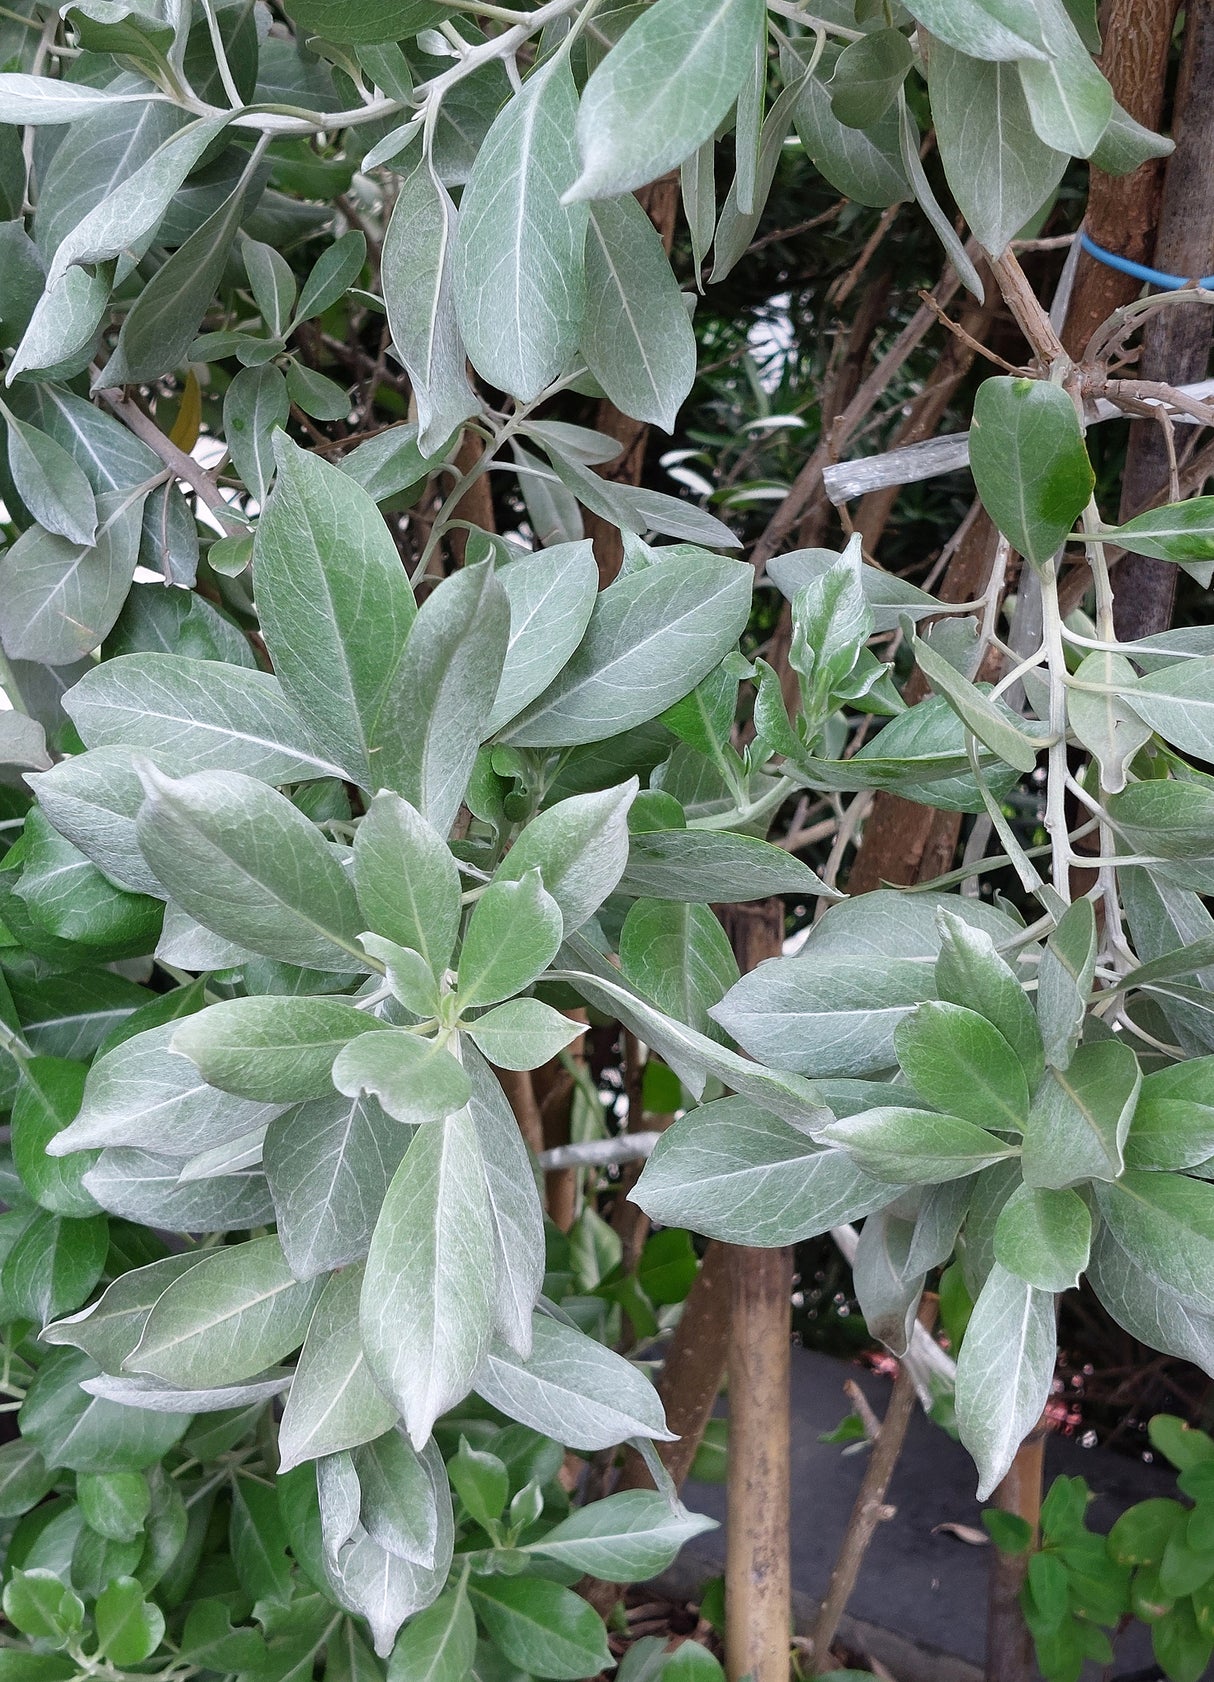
758, 1593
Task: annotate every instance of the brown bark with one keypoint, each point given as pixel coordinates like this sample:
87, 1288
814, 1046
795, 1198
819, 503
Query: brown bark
1122, 210
1176, 341
476, 504
661, 200
692, 1372
757, 1572
1009, 1646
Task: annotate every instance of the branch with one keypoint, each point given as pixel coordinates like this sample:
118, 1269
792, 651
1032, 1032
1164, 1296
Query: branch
184, 467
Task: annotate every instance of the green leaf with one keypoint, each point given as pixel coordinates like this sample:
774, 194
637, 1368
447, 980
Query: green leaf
985, 29
512, 936
148, 1188
255, 406
439, 1644
636, 337
710, 865
970, 972
579, 846
245, 862
1173, 1123
415, 1080
976, 712
1125, 145
908, 145
332, 275
1108, 724
325, 570
864, 165
1069, 101
114, 1504
1140, 1304
350, 21
662, 91
516, 1216
1081, 1116
49, 1092
519, 285
482, 1483
999, 171
50, 484
1141, 1534
959, 1062
623, 1538
129, 1628
1179, 531
197, 715
1004, 1372
541, 1627
86, 1433
426, 1298
334, 1403
63, 325
161, 326
317, 395
39, 100
329, 1164
693, 1056
680, 957
1029, 463
109, 1329
407, 881
59, 598
125, 217
140, 1090
523, 1033
401, 1497
915, 1147
277, 1051
70, 898
572, 1389
551, 594
240, 1310
417, 271
652, 636
1044, 1237
1166, 1223
1064, 980
432, 725
42, 1606
867, 76
53, 1265
1177, 701
833, 1016
24, 1478
730, 1171
158, 620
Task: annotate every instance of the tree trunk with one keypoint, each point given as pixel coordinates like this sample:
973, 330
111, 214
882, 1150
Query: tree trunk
1009, 1646
1176, 341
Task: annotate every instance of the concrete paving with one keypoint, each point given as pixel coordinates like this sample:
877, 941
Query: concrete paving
921, 1596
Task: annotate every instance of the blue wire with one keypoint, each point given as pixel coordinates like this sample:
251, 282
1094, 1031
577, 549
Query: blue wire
1153, 277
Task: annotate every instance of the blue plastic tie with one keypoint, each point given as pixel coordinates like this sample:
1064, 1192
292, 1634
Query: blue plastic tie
1152, 277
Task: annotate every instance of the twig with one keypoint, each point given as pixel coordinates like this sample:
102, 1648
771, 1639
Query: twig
870, 1509
599, 1153
183, 466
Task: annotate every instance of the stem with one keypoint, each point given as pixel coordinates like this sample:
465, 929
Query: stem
1055, 805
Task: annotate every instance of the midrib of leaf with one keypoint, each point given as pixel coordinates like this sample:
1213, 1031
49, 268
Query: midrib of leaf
626, 308
200, 1328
